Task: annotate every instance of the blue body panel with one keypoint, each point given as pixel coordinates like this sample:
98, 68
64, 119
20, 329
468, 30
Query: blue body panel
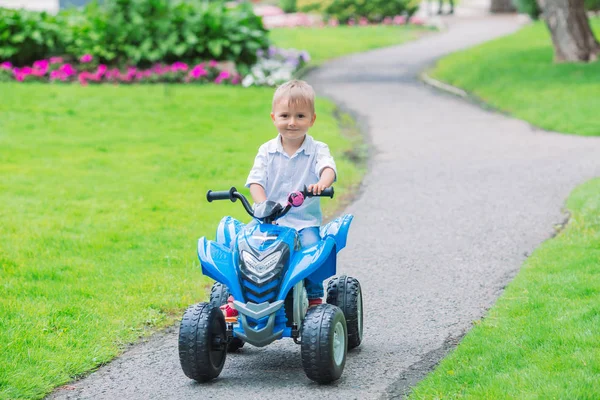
263, 316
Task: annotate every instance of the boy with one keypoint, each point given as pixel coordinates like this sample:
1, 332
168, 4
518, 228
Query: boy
289, 162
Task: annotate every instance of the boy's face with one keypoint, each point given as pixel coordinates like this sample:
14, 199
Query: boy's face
292, 120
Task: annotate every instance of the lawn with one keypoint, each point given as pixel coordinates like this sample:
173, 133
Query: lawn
331, 42
516, 74
103, 200
541, 340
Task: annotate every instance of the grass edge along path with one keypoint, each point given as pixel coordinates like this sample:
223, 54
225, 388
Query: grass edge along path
540, 340
516, 74
327, 43
103, 203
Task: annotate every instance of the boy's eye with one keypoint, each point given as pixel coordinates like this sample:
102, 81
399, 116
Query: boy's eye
283, 115
301, 116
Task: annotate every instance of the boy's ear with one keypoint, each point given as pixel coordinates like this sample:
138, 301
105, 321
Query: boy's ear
273, 117
314, 117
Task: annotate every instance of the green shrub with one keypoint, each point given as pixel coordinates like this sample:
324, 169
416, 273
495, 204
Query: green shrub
373, 10
289, 6
529, 7
27, 36
136, 32
592, 5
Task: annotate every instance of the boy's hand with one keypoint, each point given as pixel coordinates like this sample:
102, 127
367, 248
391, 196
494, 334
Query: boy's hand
317, 188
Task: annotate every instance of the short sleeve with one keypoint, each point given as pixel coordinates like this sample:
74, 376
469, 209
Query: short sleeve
258, 173
324, 159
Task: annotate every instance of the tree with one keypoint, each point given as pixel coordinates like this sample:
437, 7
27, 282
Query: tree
570, 29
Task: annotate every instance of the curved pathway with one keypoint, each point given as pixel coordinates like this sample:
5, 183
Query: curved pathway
455, 199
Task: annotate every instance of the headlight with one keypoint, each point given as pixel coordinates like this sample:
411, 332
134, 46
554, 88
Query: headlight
261, 267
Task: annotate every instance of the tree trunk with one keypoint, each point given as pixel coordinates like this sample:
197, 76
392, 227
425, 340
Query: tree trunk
502, 6
569, 26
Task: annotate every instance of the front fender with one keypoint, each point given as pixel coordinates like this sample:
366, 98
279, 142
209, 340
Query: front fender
320, 258
217, 262
338, 230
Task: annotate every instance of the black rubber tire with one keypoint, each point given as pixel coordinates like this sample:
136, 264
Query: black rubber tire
218, 297
345, 292
219, 294
202, 342
317, 348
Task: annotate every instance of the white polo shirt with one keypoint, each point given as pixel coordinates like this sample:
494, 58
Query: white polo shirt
280, 174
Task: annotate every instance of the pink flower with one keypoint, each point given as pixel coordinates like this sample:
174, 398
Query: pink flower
83, 78
351, 22
179, 66
213, 64
67, 69
39, 72
198, 71
112, 74
235, 80
41, 64
222, 76
399, 19
363, 21
86, 58
57, 74
101, 70
6, 65
387, 20
19, 75
333, 22
56, 60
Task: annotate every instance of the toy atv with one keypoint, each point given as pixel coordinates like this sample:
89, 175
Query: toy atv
263, 266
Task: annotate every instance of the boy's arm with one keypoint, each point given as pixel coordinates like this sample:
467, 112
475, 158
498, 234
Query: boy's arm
326, 179
258, 193
258, 176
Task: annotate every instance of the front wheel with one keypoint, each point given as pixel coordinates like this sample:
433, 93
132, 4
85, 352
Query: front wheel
202, 342
345, 292
324, 343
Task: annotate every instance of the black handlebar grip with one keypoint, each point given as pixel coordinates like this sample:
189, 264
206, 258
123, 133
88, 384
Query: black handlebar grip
325, 193
224, 195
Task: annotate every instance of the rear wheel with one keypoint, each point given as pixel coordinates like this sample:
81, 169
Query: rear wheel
324, 343
202, 342
345, 292
218, 297
219, 294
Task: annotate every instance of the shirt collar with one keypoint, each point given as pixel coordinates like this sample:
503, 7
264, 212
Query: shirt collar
275, 145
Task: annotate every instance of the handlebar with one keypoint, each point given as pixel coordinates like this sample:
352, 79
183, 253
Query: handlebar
232, 195
325, 193
225, 195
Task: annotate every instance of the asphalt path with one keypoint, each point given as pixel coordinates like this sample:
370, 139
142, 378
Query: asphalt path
455, 199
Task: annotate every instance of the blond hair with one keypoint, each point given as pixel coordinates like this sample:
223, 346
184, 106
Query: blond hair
295, 92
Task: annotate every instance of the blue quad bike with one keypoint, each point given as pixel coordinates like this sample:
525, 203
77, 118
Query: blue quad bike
263, 266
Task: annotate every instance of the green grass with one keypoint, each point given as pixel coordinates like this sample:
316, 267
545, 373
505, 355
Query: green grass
331, 42
541, 340
103, 200
517, 74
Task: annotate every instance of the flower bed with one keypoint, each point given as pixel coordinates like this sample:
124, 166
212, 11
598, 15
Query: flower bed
56, 70
275, 17
273, 67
